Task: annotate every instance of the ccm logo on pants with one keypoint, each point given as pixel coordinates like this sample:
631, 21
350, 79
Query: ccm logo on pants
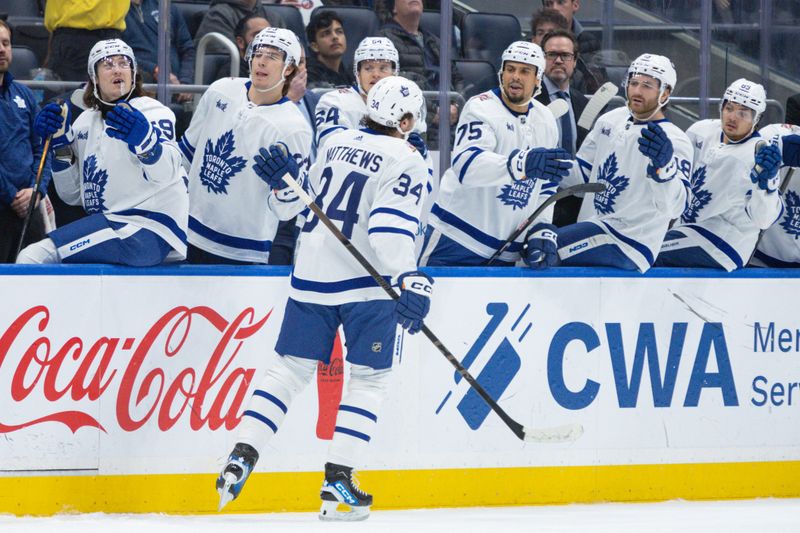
80, 244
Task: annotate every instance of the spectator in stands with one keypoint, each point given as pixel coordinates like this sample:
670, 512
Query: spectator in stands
544, 21
22, 151
568, 9
418, 49
141, 33
327, 41
561, 53
245, 31
223, 15
76, 27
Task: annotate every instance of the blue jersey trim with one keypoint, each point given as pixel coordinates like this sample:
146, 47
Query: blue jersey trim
352, 433
721, 245
774, 263
385, 229
358, 411
476, 153
228, 240
472, 231
151, 157
161, 218
262, 418
329, 287
331, 130
395, 212
636, 245
186, 148
273, 399
585, 168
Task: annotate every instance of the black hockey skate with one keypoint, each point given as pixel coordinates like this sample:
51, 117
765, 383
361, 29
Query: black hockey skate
232, 478
341, 487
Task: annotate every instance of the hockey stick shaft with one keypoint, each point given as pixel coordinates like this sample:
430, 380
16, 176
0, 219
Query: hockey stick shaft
581, 188
515, 426
34, 196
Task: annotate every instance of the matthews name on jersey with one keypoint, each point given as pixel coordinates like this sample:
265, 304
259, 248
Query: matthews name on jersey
232, 211
373, 187
479, 203
147, 194
634, 211
726, 211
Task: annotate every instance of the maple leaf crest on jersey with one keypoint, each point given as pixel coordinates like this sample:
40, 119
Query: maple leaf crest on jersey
700, 196
218, 165
516, 194
94, 186
604, 201
791, 220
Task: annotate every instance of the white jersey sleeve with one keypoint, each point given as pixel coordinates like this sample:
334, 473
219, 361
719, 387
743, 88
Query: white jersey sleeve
338, 110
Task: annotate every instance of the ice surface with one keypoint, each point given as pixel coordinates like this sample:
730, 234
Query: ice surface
674, 517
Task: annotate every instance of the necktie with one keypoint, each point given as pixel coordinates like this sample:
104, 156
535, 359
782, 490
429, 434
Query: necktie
566, 126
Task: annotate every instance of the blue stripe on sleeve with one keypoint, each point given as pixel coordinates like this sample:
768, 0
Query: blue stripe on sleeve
395, 212
228, 240
385, 229
586, 169
186, 148
475, 153
472, 231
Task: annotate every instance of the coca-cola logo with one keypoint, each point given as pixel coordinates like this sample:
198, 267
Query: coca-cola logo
209, 390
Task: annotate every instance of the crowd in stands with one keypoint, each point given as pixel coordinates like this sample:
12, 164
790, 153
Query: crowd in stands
325, 63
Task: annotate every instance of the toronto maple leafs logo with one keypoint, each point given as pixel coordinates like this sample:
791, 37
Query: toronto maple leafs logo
604, 201
94, 186
700, 196
222, 106
516, 194
219, 165
791, 219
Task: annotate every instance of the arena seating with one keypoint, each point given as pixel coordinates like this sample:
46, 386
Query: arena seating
485, 35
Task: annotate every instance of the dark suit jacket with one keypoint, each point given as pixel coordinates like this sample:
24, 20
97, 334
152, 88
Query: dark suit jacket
566, 209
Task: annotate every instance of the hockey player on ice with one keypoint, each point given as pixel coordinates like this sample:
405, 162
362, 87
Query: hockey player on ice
734, 186
120, 162
371, 184
233, 215
645, 162
505, 163
779, 246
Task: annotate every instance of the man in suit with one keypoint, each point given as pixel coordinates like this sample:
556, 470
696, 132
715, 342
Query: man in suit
561, 54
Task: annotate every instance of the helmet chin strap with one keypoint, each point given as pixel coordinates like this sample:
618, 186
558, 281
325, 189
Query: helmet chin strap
655, 111
536, 90
262, 91
111, 104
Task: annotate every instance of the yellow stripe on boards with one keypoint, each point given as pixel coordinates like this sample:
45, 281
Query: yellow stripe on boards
403, 489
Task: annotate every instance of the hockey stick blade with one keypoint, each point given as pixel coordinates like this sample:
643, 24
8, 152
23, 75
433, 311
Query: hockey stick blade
581, 188
558, 108
599, 100
553, 434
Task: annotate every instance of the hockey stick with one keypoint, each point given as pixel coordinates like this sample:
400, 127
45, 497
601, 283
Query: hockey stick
581, 188
34, 196
598, 101
564, 433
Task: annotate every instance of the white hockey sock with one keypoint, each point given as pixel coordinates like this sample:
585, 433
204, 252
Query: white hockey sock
271, 399
358, 414
39, 253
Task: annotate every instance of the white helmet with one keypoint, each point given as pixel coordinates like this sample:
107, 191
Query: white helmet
108, 48
375, 49
524, 52
391, 99
747, 93
655, 66
280, 38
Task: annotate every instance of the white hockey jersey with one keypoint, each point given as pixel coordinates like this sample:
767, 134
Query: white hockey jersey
338, 110
108, 178
726, 211
232, 212
372, 187
479, 204
634, 210
780, 244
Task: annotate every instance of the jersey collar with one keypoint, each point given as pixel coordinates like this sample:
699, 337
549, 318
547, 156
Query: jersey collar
496, 92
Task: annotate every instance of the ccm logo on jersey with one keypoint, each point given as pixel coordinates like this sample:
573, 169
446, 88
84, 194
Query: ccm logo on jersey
80, 244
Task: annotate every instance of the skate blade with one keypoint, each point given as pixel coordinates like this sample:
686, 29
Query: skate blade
225, 494
329, 512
